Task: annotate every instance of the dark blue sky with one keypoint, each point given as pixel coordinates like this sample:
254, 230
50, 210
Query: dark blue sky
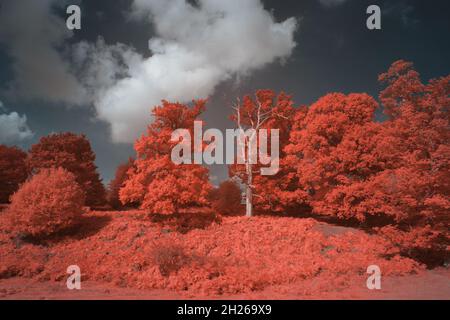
335, 52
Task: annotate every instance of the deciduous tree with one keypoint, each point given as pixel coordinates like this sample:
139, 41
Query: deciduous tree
265, 110
13, 171
157, 183
119, 179
393, 173
73, 153
227, 198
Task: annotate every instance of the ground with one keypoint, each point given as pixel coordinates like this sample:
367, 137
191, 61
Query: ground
132, 255
429, 285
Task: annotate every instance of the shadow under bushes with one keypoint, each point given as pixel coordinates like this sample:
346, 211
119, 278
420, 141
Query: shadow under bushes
85, 227
186, 221
306, 212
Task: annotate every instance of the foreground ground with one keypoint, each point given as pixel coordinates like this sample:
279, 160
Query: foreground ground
429, 285
130, 255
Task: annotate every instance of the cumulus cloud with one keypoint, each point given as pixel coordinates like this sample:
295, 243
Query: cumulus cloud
194, 49
31, 32
13, 127
99, 66
332, 3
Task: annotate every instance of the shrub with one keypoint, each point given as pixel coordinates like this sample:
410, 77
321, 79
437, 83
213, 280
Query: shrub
49, 202
169, 258
186, 221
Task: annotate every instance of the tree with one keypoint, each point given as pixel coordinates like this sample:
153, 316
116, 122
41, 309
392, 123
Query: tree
315, 153
226, 199
419, 187
157, 183
73, 153
391, 175
119, 179
13, 171
49, 202
263, 111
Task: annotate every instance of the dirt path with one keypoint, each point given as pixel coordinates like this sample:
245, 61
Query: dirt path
434, 284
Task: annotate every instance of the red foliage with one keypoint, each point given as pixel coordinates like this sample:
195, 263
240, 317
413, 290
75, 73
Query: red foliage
169, 258
396, 172
155, 181
13, 171
187, 220
240, 255
73, 153
226, 199
278, 111
119, 179
49, 202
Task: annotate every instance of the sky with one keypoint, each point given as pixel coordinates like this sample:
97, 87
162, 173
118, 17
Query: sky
104, 79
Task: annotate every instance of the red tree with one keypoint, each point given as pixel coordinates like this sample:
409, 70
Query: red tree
13, 171
73, 153
313, 153
393, 173
119, 179
268, 111
226, 199
157, 183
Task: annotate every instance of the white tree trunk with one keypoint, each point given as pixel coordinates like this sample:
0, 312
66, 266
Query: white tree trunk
249, 192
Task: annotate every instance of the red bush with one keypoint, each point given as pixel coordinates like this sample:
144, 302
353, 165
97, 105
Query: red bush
52, 200
169, 258
186, 221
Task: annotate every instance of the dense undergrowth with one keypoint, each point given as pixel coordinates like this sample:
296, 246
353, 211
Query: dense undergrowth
217, 256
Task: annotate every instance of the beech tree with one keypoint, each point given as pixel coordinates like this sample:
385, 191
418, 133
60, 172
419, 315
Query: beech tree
157, 183
265, 110
74, 153
13, 171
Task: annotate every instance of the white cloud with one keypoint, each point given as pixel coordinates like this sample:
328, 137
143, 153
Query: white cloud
195, 49
332, 3
13, 127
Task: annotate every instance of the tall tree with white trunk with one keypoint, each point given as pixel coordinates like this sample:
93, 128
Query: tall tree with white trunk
256, 119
